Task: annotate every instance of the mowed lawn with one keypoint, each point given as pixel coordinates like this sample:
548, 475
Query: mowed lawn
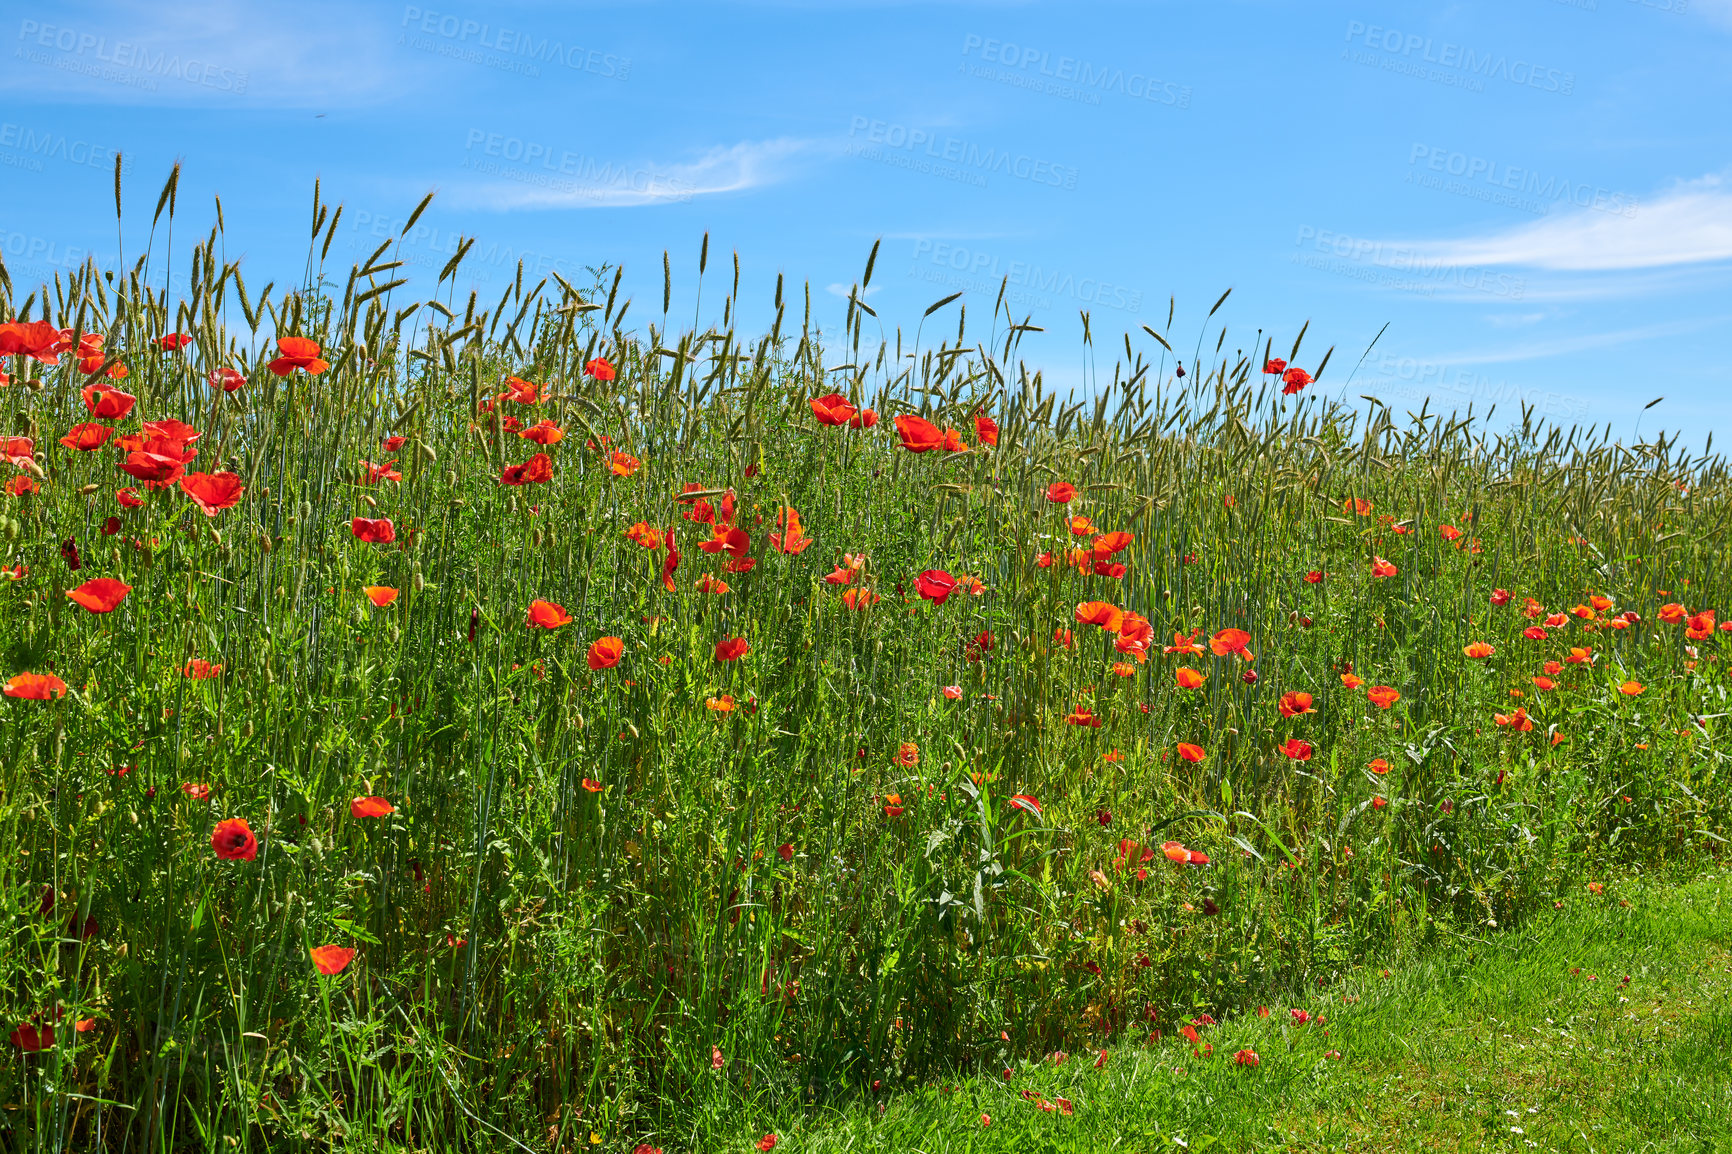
1600, 1027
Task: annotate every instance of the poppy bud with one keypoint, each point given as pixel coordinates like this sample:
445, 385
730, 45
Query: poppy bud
1249, 677
474, 617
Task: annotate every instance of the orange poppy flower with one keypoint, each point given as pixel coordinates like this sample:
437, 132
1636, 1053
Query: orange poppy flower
22, 486
623, 464
1449, 532
1191, 753
1351, 681
1700, 626
370, 806
544, 432
793, 539
1061, 492
330, 960
100, 595
298, 353
1383, 696
1631, 688
1479, 649
732, 649
1103, 613
548, 615
832, 410
722, 704
893, 805
592, 785
1382, 568
1189, 678
35, 687
918, 434
859, 598
1580, 656
1673, 614
599, 369
707, 584
374, 530
605, 653
1543, 683
1379, 766
1084, 717
1359, 506
953, 442
233, 840
986, 430
1294, 703
380, 595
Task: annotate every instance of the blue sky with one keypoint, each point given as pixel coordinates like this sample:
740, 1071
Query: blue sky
1535, 196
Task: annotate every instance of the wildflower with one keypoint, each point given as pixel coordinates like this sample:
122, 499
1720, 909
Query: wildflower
722, 704
298, 353
952, 691
1631, 688
985, 430
1103, 613
1295, 749
380, 595
864, 419
859, 598
86, 436
226, 379
1314, 577
1500, 596
107, 404
1189, 678
1274, 366
1294, 379
732, 649
1351, 681
598, 368
547, 615
1382, 568
893, 806
538, 470
233, 840
1383, 696
1229, 641
35, 687
592, 785
329, 960
605, 652
198, 669
1061, 493
619, 464
1024, 801
1191, 753
378, 531
1295, 703
908, 755
1379, 766
1083, 717
100, 595
371, 806
1478, 650
213, 492
1247, 1058
1519, 720
918, 434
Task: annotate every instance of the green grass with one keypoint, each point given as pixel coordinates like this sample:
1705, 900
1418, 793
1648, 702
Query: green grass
602, 905
1527, 1039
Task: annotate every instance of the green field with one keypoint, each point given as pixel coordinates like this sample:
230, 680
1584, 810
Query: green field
683, 752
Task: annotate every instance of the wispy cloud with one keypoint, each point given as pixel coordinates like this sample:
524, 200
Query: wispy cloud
1691, 224
1578, 343
723, 169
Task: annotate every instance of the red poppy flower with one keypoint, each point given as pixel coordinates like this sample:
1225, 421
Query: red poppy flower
538, 470
1518, 720
1382, 568
732, 649
31, 1040
1191, 753
372, 474
1061, 492
864, 419
374, 530
128, 498
370, 807
1294, 703
329, 960
1383, 696
793, 539
1631, 688
35, 687
953, 442
22, 486
20, 451
38, 340
918, 434
106, 403
1296, 749
935, 585
1247, 1058
1107, 544
623, 464
605, 653
1535, 633
1379, 766
833, 409
1673, 614
599, 369
518, 390
87, 436
1103, 613
1189, 678
860, 598
732, 540
548, 615
213, 492
1314, 577
198, 669
1294, 379
197, 790
233, 840
298, 353
1024, 801
1274, 366
592, 785
100, 595
228, 380
156, 470
986, 430
767, 1143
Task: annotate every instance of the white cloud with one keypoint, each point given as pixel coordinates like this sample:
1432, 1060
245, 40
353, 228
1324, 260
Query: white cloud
1688, 225
606, 184
200, 54
842, 290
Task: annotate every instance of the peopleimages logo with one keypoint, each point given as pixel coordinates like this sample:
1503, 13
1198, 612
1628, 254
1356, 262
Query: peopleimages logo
1396, 266
1510, 184
955, 266
1068, 76
34, 146
122, 61
1448, 62
974, 162
470, 39
543, 165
